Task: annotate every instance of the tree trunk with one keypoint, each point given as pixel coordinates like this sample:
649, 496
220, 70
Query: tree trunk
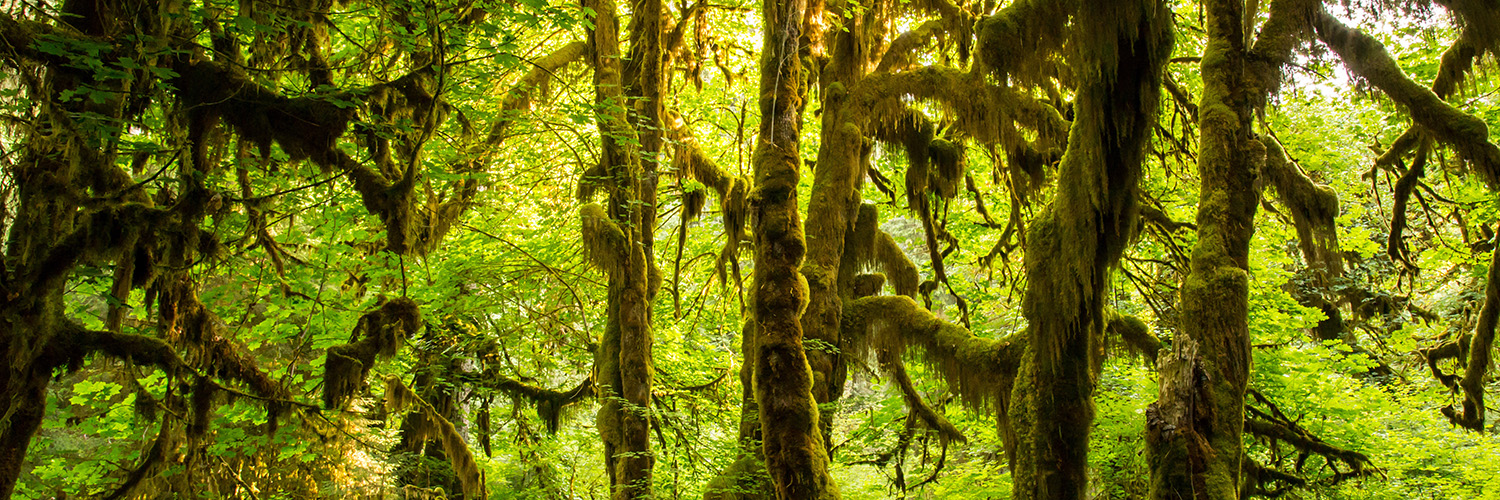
796, 457
1079, 237
1193, 430
623, 359
831, 213
48, 183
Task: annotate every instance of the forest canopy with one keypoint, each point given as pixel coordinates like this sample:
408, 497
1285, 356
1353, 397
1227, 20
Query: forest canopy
721, 249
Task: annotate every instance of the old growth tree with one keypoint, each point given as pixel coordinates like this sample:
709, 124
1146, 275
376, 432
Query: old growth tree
1199, 249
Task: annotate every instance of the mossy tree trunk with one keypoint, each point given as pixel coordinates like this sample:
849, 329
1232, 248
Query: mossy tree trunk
1122, 48
795, 455
27, 330
58, 168
623, 358
1193, 430
832, 211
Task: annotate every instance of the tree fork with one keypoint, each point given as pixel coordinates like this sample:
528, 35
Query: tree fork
1195, 443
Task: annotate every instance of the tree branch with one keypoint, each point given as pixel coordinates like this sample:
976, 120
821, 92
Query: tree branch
1367, 58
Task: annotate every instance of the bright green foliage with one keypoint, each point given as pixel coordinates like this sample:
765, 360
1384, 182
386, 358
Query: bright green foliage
293, 251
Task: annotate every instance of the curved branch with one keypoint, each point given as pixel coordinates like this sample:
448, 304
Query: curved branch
976, 367
549, 403
1367, 58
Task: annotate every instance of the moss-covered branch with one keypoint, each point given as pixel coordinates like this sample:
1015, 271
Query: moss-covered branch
437, 216
1314, 208
107, 232
1479, 18
1456, 63
1307, 442
919, 408
974, 366
904, 49
978, 108
380, 332
1284, 29
77, 343
1367, 58
549, 403
1134, 333
690, 161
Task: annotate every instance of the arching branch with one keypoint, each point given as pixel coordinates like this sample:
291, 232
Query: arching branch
1367, 58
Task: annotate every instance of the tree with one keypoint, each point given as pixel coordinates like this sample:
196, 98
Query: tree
228, 221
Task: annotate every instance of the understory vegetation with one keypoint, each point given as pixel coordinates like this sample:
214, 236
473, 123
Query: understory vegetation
734, 250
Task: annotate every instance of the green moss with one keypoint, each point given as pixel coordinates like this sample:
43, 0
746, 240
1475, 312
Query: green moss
974, 367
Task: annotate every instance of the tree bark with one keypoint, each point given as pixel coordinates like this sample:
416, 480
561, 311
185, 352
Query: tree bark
1193, 430
1079, 237
796, 457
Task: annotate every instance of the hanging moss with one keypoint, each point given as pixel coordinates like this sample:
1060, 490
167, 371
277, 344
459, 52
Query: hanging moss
1480, 20
904, 50
303, 127
859, 242
1120, 50
690, 162
935, 421
1023, 39
399, 398
866, 285
379, 333
948, 167
1367, 58
603, 241
549, 403
897, 267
